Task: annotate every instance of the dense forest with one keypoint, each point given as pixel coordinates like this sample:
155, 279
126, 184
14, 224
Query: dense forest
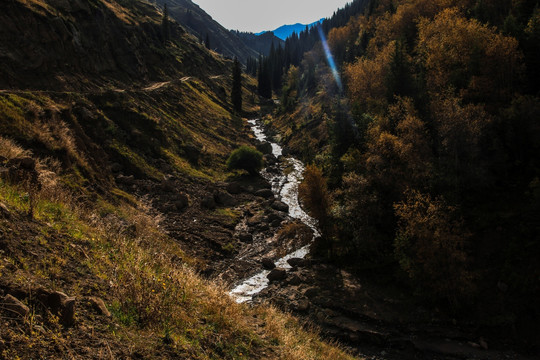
427, 166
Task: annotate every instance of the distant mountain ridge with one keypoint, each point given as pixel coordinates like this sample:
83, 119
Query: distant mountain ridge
284, 31
226, 42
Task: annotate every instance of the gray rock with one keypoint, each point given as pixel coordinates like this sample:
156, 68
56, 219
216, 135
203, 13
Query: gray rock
268, 264
277, 274
99, 305
265, 193
280, 206
208, 203
15, 306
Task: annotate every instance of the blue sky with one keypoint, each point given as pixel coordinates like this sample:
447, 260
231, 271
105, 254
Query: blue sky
260, 15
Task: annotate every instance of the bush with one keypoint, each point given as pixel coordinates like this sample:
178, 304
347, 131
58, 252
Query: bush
245, 158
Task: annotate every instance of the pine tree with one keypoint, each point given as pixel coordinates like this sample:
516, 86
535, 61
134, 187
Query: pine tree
165, 27
207, 41
236, 92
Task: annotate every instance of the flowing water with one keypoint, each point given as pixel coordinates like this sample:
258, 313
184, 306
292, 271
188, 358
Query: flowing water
285, 187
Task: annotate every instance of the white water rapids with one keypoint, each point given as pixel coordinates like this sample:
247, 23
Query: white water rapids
285, 187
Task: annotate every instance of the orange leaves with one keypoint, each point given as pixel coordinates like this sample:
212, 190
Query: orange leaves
313, 192
366, 77
467, 55
429, 245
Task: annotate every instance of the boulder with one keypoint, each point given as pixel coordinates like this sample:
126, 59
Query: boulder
277, 274
245, 237
280, 206
234, 188
297, 262
99, 305
265, 148
126, 180
208, 202
4, 211
116, 167
15, 306
268, 264
59, 304
301, 305
294, 280
265, 193
224, 198
181, 201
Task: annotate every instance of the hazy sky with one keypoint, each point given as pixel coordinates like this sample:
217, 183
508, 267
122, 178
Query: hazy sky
259, 15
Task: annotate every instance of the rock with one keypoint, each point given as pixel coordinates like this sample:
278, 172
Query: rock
208, 202
224, 198
168, 184
275, 223
502, 286
15, 306
265, 148
234, 188
270, 159
99, 305
301, 305
181, 201
277, 274
297, 262
295, 280
116, 167
59, 304
67, 315
193, 154
24, 163
126, 180
280, 206
310, 293
265, 193
245, 237
4, 211
268, 264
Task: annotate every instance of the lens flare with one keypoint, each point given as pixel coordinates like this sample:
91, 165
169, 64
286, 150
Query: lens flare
330, 58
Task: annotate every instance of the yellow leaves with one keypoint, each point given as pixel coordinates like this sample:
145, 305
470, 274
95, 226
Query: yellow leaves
464, 53
366, 76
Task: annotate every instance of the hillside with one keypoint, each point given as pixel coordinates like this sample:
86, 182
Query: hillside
425, 177
224, 41
114, 135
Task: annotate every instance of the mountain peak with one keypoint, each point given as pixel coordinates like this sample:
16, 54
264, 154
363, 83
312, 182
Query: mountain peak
284, 31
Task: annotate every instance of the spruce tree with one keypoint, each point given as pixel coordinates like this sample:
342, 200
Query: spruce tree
207, 41
236, 92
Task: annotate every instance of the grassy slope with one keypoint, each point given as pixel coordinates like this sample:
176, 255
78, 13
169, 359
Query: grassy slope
91, 237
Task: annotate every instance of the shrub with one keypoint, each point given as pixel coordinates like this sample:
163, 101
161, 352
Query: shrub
245, 158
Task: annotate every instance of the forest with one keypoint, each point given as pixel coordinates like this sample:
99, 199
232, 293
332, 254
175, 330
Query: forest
427, 168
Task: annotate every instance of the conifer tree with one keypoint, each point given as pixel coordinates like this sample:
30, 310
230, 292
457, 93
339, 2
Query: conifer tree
236, 92
207, 41
165, 27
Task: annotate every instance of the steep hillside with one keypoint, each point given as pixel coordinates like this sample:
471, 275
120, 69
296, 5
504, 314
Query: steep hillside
426, 173
203, 27
113, 144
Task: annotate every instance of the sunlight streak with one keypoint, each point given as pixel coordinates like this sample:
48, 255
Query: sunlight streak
330, 58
